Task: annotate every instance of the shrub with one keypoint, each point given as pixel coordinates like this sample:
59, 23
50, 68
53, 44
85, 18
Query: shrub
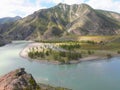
118, 51
109, 56
70, 46
90, 52
32, 82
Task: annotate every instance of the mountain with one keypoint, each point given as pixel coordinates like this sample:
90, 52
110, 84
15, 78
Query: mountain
63, 20
19, 79
9, 19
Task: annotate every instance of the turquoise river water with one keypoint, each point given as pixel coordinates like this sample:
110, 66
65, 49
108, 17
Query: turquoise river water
92, 75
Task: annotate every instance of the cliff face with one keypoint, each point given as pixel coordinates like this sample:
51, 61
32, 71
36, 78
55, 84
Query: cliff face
18, 80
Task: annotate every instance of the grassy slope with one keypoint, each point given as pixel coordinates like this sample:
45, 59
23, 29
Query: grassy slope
109, 45
98, 38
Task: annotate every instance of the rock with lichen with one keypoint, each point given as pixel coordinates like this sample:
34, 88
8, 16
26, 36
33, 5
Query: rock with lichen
18, 80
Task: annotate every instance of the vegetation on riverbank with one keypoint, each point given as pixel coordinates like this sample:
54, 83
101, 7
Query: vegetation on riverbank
66, 51
54, 55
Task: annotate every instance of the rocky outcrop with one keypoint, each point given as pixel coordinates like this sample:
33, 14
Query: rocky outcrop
21, 80
18, 80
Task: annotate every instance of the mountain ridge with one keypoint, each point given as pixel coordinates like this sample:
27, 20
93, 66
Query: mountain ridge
63, 20
9, 19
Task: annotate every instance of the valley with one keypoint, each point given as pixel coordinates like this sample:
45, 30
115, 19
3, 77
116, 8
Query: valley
72, 46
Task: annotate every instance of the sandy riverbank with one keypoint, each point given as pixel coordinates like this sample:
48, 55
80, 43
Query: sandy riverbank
24, 54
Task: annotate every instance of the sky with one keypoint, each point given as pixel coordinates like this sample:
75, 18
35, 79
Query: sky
11, 8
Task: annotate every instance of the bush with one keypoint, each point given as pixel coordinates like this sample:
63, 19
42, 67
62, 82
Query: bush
118, 52
47, 53
109, 56
32, 82
91, 42
31, 54
90, 52
70, 46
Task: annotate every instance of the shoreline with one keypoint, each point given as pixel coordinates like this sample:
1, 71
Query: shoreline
24, 54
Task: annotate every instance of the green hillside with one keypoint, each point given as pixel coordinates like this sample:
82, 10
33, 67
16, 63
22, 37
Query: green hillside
63, 21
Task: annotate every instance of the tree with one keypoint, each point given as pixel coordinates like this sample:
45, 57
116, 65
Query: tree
47, 53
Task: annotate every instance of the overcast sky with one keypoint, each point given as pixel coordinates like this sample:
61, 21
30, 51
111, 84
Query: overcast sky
25, 7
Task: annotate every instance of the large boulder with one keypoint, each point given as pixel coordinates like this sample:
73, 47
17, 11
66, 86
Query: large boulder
18, 80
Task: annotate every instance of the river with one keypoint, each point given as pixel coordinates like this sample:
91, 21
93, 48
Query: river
91, 75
